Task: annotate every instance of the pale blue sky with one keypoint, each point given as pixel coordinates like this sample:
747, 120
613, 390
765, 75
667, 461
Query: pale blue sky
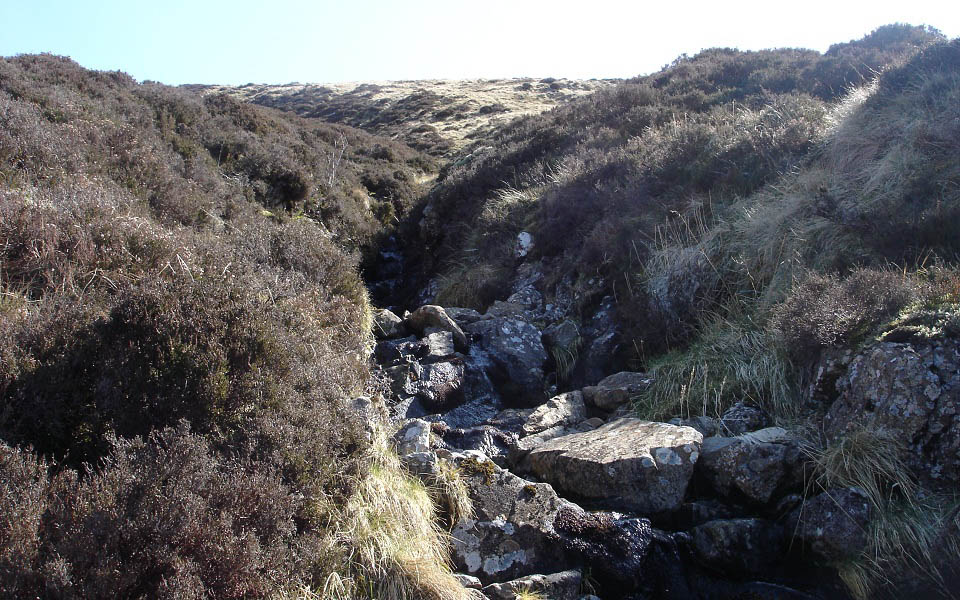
181, 41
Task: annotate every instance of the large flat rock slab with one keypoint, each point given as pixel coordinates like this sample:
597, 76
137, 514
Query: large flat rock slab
627, 464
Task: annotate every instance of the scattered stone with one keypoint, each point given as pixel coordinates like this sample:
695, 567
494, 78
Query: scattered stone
387, 325
628, 463
616, 390
739, 547
741, 418
431, 315
517, 357
558, 586
834, 524
752, 465
565, 410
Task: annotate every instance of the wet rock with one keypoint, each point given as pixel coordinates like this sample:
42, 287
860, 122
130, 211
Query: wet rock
482, 400
741, 418
698, 512
516, 356
752, 466
463, 316
628, 463
912, 390
739, 547
616, 390
600, 344
511, 419
511, 533
565, 410
438, 386
564, 585
432, 316
399, 350
834, 524
492, 442
387, 325
625, 554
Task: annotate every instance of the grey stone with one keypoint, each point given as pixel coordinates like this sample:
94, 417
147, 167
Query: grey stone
834, 524
564, 585
431, 315
413, 436
627, 463
468, 581
387, 325
564, 410
463, 316
439, 346
911, 390
565, 335
741, 418
437, 385
517, 357
753, 465
511, 533
617, 389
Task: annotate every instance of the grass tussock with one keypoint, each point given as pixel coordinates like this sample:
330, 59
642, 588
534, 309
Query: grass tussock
389, 535
909, 529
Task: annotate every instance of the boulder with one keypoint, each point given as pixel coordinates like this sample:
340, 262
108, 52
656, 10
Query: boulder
482, 400
627, 463
439, 346
413, 436
564, 585
707, 426
564, 410
387, 325
563, 335
616, 390
434, 316
516, 357
511, 533
741, 418
438, 385
833, 525
492, 442
739, 547
463, 316
398, 350
751, 466
913, 391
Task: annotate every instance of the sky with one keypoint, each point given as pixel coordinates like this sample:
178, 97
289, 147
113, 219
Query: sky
324, 41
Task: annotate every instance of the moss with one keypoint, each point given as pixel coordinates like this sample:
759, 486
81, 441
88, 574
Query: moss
473, 466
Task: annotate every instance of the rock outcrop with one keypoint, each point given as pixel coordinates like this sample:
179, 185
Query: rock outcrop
628, 463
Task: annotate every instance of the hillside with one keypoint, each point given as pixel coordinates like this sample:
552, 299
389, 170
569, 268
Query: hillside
438, 117
693, 335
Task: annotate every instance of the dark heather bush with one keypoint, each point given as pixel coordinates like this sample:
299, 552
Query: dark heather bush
827, 310
181, 321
